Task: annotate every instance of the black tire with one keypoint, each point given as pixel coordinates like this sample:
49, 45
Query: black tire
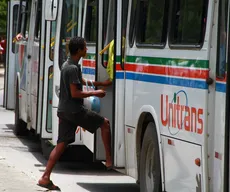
150, 169
20, 127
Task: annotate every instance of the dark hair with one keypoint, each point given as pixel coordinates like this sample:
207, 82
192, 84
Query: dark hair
75, 44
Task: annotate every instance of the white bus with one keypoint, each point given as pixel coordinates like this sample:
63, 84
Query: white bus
169, 99
29, 72
169, 102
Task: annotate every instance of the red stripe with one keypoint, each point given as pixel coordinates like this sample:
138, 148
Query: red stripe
159, 70
169, 71
89, 63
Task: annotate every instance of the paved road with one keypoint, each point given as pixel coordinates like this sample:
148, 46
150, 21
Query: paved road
22, 164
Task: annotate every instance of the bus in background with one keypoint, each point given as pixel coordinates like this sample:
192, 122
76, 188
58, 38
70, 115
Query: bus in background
30, 65
169, 99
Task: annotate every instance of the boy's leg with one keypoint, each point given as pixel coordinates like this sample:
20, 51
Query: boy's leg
91, 121
106, 137
66, 135
54, 157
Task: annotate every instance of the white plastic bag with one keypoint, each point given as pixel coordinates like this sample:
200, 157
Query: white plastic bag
92, 103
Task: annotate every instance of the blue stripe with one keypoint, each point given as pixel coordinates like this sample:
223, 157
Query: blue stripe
167, 80
221, 87
88, 71
120, 75
156, 79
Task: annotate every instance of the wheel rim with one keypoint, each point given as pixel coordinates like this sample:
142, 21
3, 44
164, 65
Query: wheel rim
149, 168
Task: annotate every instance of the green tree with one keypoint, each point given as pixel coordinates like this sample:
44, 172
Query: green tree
3, 16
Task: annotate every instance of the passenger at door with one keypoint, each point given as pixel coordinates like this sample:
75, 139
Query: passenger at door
110, 65
72, 113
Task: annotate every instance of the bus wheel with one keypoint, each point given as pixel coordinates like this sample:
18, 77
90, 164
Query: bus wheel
20, 128
150, 170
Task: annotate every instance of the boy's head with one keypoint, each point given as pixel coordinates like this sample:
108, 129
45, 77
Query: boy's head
77, 47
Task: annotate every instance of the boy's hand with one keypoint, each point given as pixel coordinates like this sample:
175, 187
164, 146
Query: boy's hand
99, 93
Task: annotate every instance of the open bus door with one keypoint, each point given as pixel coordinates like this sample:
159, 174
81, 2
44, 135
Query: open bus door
9, 80
112, 105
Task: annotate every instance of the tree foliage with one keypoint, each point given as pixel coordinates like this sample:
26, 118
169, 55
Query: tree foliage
3, 16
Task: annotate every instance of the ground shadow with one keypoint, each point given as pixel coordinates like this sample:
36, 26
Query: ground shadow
110, 187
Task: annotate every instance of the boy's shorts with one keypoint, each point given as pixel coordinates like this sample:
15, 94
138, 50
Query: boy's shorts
68, 123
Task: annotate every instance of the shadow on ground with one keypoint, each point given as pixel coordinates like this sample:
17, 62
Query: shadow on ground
111, 187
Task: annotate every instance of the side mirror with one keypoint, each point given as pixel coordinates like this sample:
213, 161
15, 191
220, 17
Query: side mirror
51, 10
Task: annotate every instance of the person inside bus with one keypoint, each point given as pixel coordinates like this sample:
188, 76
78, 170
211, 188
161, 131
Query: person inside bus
72, 113
110, 65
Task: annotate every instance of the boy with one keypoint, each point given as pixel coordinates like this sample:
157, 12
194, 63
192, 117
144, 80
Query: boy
71, 111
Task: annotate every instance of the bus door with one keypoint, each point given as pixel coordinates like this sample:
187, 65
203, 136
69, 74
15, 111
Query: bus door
46, 72
9, 80
89, 32
110, 67
69, 24
220, 66
34, 62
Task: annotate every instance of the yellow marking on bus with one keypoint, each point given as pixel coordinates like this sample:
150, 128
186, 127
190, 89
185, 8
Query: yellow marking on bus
69, 23
71, 27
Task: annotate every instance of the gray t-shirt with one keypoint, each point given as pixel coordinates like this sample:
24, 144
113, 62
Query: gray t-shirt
70, 73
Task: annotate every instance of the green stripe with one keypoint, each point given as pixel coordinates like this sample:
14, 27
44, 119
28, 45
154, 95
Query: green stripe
90, 56
169, 61
204, 64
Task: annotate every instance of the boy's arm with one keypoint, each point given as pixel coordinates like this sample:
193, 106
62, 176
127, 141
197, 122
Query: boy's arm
97, 83
76, 93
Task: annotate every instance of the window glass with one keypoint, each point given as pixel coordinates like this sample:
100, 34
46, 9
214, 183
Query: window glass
151, 26
222, 39
69, 26
27, 19
38, 20
188, 22
52, 39
125, 6
91, 22
132, 23
14, 24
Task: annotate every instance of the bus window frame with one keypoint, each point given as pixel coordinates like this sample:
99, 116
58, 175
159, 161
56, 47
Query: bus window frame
172, 24
164, 29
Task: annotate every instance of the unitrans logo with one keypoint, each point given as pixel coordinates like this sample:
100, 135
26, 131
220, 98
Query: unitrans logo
176, 114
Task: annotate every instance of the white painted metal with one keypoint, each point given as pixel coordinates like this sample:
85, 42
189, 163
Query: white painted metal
9, 84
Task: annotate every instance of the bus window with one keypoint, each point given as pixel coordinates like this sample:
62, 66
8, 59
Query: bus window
152, 25
91, 22
25, 19
222, 39
69, 27
188, 23
14, 23
52, 39
132, 23
125, 5
38, 21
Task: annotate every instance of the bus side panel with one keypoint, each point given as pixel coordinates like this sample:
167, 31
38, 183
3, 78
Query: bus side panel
21, 67
182, 173
9, 95
218, 150
34, 83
